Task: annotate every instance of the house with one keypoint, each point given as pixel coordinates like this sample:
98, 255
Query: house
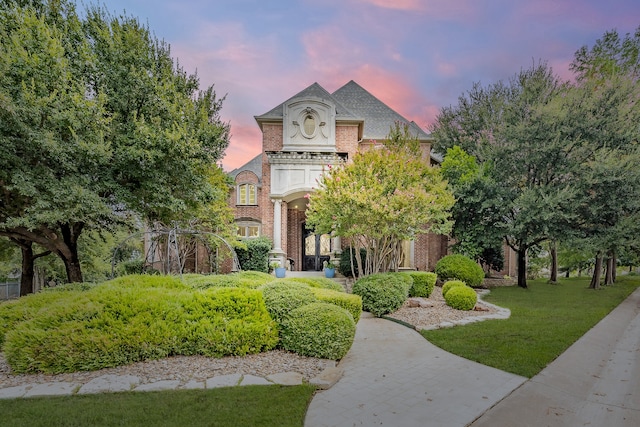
300, 138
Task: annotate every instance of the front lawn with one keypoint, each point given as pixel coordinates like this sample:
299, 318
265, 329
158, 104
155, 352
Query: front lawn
267, 406
545, 320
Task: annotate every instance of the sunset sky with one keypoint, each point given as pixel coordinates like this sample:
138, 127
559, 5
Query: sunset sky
415, 55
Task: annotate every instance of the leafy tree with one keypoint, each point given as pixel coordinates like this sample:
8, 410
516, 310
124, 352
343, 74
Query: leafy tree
378, 200
513, 130
477, 206
97, 122
607, 111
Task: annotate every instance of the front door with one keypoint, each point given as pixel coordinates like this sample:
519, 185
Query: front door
315, 250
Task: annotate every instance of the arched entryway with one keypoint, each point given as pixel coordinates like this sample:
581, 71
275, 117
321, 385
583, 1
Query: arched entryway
316, 249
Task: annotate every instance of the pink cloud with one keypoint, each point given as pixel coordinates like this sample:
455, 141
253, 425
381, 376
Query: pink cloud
411, 5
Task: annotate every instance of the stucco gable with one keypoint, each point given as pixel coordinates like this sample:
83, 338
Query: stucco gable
315, 91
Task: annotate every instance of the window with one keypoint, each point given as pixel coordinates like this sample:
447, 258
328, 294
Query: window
248, 229
247, 194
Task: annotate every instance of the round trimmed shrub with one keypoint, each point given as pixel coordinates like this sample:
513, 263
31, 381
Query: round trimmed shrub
382, 293
318, 330
281, 298
461, 298
350, 302
423, 283
460, 267
451, 284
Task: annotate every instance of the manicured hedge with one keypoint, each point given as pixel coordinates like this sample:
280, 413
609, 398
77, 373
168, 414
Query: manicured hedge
461, 298
129, 320
256, 255
242, 279
451, 284
423, 283
281, 297
460, 267
318, 282
383, 293
351, 303
319, 330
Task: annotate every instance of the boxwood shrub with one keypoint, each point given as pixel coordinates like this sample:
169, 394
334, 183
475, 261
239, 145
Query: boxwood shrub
112, 325
383, 293
318, 282
256, 255
351, 303
319, 330
281, 297
461, 298
460, 267
451, 284
423, 283
242, 279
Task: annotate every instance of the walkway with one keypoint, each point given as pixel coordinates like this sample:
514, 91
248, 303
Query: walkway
596, 382
394, 377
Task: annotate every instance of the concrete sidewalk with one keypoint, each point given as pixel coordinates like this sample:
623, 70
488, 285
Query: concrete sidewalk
394, 377
596, 382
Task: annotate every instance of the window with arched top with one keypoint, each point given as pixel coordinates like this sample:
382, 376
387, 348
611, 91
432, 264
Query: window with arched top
248, 229
247, 194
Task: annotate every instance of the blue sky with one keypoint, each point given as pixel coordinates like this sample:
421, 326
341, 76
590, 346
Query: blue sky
417, 56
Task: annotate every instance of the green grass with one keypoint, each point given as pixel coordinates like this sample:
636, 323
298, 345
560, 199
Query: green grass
545, 320
231, 406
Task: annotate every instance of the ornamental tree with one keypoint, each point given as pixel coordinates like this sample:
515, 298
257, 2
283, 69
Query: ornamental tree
378, 200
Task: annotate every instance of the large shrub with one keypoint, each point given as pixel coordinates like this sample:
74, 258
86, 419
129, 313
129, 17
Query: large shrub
241, 279
350, 302
281, 298
318, 282
423, 283
451, 284
256, 256
319, 330
460, 267
382, 293
116, 324
461, 298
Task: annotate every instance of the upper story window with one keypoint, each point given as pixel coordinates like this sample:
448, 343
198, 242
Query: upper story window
247, 194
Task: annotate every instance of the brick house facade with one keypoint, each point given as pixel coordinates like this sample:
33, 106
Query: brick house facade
300, 137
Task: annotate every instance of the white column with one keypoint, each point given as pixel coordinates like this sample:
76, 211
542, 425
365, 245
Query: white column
337, 245
277, 225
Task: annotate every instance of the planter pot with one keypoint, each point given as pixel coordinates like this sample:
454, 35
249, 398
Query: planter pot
280, 272
329, 272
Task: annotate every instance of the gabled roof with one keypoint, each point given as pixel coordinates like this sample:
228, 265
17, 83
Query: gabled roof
378, 117
313, 91
254, 165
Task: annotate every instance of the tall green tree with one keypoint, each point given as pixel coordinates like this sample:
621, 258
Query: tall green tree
97, 122
380, 199
513, 129
605, 102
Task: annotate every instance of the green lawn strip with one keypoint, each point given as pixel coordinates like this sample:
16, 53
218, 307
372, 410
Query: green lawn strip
230, 406
545, 320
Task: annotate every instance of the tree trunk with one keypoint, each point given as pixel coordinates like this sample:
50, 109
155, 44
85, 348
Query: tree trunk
70, 234
609, 271
597, 272
26, 277
553, 278
522, 267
